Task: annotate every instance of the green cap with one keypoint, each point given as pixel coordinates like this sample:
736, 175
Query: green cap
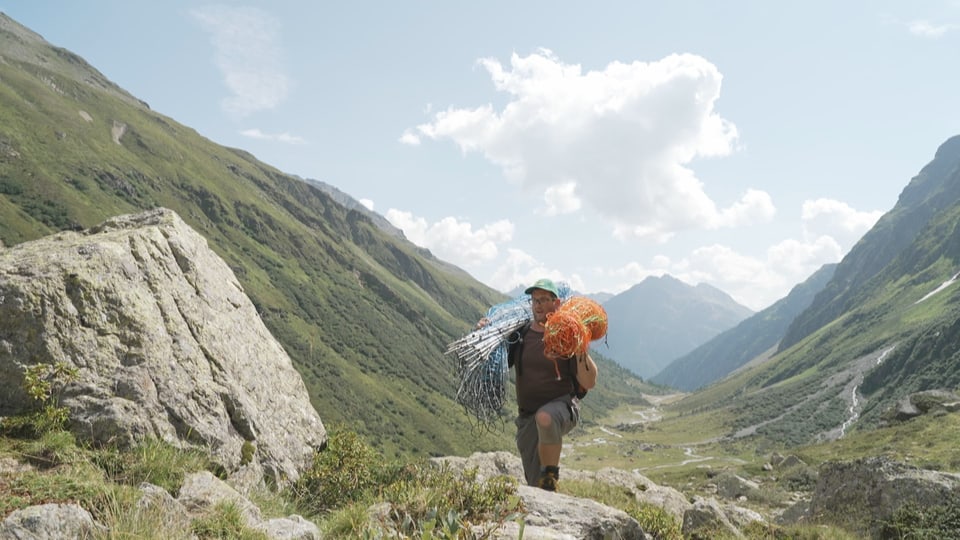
544, 284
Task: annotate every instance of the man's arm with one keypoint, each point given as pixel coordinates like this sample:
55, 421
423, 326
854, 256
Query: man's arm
586, 371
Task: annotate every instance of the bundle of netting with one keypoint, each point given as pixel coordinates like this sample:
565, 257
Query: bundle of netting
570, 329
565, 335
590, 313
482, 357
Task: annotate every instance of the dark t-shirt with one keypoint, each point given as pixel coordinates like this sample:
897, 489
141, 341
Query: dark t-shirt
537, 379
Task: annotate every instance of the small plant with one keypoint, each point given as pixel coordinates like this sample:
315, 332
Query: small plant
225, 522
656, 520
154, 461
43, 383
346, 471
440, 502
247, 450
652, 518
940, 522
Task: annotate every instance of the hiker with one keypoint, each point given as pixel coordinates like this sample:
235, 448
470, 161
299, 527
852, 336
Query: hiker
548, 387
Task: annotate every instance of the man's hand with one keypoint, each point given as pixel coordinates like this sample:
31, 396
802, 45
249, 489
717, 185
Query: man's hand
481, 323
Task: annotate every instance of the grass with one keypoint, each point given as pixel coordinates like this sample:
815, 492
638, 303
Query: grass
676, 452
348, 478
416, 500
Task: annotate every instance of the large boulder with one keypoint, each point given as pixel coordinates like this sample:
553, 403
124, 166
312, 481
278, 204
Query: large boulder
861, 495
49, 522
920, 403
166, 343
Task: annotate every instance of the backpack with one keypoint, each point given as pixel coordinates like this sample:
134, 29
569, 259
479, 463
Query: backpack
515, 354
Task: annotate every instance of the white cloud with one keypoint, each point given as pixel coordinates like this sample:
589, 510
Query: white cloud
452, 240
248, 55
520, 268
367, 203
928, 29
632, 273
830, 228
837, 220
625, 136
561, 199
278, 137
755, 282
411, 138
754, 207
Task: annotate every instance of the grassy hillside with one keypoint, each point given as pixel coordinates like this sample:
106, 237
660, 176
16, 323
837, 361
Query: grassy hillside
364, 315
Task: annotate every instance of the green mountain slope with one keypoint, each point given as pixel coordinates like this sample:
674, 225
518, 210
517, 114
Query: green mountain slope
927, 194
894, 332
364, 314
747, 341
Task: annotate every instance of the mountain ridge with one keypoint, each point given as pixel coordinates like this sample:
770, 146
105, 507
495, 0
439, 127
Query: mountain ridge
364, 315
662, 318
748, 340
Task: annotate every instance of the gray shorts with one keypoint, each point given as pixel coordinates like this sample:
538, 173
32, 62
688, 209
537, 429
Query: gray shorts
565, 412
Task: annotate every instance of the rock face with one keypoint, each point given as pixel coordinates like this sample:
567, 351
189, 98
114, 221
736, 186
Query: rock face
920, 403
166, 343
859, 495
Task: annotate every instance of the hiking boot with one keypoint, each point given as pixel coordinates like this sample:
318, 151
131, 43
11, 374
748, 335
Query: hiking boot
548, 481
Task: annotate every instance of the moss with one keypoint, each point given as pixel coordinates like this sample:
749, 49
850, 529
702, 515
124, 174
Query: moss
247, 450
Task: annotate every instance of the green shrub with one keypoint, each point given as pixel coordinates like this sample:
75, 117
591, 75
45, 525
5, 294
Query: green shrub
247, 450
439, 500
154, 461
346, 471
225, 522
653, 519
44, 384
914, 522
656, 521
800, 477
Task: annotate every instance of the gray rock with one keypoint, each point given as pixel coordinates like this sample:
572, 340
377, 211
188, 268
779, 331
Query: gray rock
556, 515
707, 515
643, 489
860, 495
920, 403
579, 518
158, 506
289, 528
202, 491
49, 522
167, 344
789, 462
488, 464
731, 486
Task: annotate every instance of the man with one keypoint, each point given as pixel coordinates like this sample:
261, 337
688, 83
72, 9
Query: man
546, 391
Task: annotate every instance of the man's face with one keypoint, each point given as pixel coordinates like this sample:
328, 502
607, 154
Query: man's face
543, 304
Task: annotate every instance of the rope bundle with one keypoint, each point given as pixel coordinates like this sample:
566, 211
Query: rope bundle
570, 329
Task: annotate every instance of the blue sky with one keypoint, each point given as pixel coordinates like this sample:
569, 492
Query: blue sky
742, 144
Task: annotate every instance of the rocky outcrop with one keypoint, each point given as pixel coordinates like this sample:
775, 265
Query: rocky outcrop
49, 521
555, 515
861, 495
200, 494
202, 491
165, 341
919, 403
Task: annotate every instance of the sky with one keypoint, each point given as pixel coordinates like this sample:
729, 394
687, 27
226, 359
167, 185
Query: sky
741, 144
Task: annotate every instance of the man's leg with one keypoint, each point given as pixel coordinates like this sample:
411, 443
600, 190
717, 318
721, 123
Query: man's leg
553, 420
527, 443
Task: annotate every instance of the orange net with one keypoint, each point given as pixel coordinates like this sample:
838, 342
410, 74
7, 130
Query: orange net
564, 334
590, 313
570, 329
